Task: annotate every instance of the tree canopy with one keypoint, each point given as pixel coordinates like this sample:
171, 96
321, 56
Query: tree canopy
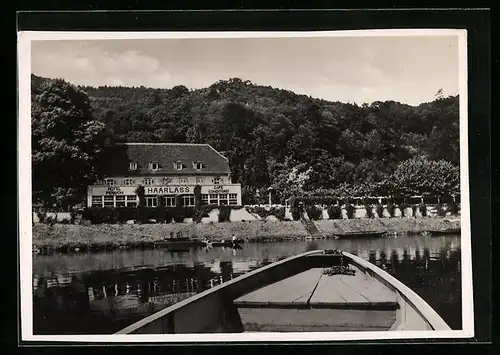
277, 138
67, 143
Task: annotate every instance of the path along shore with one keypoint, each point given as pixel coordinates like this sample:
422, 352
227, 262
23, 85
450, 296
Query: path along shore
75, 238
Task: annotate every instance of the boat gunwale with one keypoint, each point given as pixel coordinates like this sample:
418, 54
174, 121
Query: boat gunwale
415, 301
211, 291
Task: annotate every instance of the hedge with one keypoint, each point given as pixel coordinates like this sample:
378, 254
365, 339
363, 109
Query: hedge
314, 213
278, 212
98, 215
334, 212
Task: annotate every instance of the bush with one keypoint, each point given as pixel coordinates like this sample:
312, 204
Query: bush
350, 209
261, 212
198, 214
295, 213
423, 209
334, 212
380, 210
369, 211
391, 209
224, 213
50, 220
41, 216
73, 214
314, 213
453, 208
440, 211
278, 212
414, 210
161, 215
402, 208
197, 197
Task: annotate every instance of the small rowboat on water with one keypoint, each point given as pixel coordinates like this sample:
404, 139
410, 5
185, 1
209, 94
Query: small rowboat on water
447, 231
374, 234
316, 291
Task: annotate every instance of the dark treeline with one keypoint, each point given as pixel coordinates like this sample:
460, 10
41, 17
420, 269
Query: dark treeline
291, 142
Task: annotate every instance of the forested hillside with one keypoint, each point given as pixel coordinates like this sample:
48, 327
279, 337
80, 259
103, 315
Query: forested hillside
278, 138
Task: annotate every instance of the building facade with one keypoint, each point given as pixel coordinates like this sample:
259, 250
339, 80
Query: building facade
168, 171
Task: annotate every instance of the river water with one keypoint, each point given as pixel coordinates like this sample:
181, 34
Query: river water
104, 292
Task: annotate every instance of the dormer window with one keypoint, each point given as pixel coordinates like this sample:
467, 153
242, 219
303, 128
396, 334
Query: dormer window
217, 180
198, 165
178, 165
154, 166
132, 166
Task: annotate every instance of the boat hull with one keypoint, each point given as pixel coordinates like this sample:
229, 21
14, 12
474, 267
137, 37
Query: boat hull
297, 294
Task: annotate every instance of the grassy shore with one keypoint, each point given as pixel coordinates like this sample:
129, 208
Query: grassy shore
391, 225
67, 237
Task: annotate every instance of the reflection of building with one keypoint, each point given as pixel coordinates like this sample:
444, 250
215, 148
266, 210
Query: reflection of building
166, 170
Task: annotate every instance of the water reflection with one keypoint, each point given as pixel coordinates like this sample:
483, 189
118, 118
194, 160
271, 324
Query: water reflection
102, 293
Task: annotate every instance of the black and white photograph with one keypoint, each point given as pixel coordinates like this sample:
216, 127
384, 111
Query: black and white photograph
244, 186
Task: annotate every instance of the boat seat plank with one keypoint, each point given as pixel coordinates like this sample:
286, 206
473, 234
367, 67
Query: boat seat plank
315, 320
357, 290
293, 290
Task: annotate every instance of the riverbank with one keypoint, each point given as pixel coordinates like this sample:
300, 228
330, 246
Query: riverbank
71, 238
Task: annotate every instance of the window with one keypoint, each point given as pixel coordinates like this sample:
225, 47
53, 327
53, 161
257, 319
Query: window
131, 200
169, 201
132, 166
97, 201
204, 199
148, 181
109, 201
217, 180
214, 199
223, 199
110, 182
233, 199
183, 180
198, 165
154, 166
129, 182
188, 200
178, 165
120, 201
200, 180
151, 201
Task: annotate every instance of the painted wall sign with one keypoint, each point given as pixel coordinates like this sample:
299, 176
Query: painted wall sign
167, 190
218, 192
114, 190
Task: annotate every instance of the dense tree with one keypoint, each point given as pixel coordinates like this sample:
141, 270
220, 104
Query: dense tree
420, 176
272, 137
67, 144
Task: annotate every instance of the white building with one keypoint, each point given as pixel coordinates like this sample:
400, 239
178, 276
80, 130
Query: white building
166, 170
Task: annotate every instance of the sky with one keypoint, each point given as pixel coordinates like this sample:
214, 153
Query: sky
347, 69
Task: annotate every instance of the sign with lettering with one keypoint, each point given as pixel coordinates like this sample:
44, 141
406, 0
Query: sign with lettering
213, 192
167, 190
114, 190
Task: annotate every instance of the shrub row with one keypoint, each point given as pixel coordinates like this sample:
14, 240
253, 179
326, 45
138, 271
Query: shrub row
98, 215
278, 212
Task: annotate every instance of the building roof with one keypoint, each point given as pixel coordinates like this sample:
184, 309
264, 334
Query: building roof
166, 155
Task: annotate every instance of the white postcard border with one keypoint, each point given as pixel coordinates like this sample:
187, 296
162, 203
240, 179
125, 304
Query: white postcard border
25, 208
